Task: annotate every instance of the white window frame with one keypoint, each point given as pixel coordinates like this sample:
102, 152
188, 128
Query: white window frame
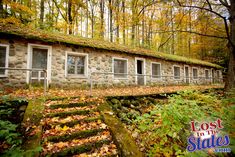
174, 72
197, 73
208, 74
85, 75
29, 60
6, 60
151, 68
144, 69
123, 59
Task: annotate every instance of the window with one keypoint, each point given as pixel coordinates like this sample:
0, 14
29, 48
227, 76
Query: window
4, 51
207, 74
156, 70
176, 72
120, 68
195, 73
77, 64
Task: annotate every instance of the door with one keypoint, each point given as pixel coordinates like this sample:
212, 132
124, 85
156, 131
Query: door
186, 71
140, 72
213, 76
39, 61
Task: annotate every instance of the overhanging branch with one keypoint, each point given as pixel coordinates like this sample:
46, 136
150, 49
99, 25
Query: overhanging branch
192, 32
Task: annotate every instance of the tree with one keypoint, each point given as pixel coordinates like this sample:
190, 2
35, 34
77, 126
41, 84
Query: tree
229, 25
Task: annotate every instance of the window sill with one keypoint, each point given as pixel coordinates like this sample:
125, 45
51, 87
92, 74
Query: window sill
2, 76
77, 76
160, 78
116, 78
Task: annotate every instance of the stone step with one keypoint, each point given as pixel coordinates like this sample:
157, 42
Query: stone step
61, 131
71, 105
80, 149
59, 110
107, 150
69, 113
76, 135
74, 122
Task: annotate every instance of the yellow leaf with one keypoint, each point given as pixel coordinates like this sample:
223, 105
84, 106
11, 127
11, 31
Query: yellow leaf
65, 128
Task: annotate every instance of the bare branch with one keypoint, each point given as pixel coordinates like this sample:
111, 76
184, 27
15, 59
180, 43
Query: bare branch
58, 8
211, 11
224, 3
209, 4
201, 8
147, 5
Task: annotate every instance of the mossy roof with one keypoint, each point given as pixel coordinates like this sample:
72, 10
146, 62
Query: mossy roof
52, 37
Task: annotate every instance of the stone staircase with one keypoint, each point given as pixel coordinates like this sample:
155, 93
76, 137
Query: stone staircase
74, 127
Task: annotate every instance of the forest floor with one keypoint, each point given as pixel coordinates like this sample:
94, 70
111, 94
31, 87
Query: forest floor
110, 91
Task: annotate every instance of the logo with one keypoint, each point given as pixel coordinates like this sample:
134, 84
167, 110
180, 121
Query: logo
207, 135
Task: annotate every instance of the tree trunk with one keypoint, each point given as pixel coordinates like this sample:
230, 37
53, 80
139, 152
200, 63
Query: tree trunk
230, 80
70, 19
111, 20
87, 18
102, 19
133, 27
117, 19
124, 22
1, 10
173, 34
143, 28
41, 13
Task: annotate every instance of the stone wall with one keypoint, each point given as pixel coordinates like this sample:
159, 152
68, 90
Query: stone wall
99, 61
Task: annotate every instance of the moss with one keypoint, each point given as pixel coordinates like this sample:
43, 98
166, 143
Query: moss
69, 113
122, 137
62, 98
77, 135
71, 105
32, 117
50, 37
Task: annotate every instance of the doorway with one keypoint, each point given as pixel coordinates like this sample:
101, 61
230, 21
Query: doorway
186, 73
39, 57
140, 71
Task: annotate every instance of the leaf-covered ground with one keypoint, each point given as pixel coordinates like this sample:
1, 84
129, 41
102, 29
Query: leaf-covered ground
74, 127
110, 91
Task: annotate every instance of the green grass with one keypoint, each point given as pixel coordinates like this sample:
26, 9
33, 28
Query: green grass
76, 135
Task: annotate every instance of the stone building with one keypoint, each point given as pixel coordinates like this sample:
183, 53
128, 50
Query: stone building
72, 61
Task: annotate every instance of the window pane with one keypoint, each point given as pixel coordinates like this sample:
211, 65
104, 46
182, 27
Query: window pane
39, 58
2, 59
177, 72
156, 71
120, 68
76, 64
80, 64
195, 74
71, 64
